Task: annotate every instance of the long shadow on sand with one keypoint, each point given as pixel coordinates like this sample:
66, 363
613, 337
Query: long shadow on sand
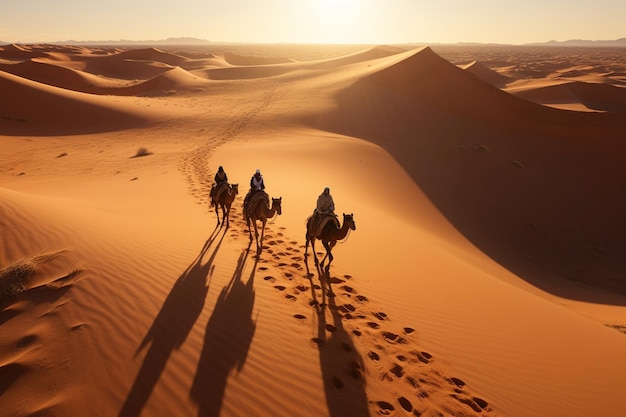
227, 339
171, 326
341, 364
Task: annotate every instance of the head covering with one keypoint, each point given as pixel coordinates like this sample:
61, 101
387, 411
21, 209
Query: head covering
326, 189
220, 168
258, 171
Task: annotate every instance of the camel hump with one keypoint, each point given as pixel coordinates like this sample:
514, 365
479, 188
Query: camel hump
258, 197
330, 218
325, 220
220, 188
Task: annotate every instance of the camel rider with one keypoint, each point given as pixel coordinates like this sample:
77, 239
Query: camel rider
256, 184
325, 207
220, 176
221, 180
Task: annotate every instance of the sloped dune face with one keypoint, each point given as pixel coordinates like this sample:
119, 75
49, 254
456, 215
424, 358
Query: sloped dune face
31, 108
152, 54
487, 74
500, 168
593, 96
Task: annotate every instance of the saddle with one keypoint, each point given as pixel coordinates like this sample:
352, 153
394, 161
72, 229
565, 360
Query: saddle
324, 221
256, 198
219, 189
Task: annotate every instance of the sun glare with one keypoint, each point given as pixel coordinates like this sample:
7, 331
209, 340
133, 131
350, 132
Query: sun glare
337, 19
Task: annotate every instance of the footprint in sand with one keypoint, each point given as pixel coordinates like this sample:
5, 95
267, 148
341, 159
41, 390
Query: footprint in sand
397, 370
269, 278
348, 308
481, 403
27, 340
380, 316
405, 404
385, 408
472, 402
424, 357
456, 381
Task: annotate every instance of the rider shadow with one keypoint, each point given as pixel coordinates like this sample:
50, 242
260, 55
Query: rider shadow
170, 328
341, 364
227, 340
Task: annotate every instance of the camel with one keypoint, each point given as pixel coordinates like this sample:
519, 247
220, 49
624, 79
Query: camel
259, 209
224, 198
329, 236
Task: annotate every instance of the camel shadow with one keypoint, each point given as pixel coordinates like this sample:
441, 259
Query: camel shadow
172, 325
341, 364
227, 340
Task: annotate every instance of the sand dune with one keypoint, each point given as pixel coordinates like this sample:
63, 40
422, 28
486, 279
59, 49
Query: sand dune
597, 96
487, 74
485, 276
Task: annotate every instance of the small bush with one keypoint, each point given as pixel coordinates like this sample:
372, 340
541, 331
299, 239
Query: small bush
142, 152
17, 277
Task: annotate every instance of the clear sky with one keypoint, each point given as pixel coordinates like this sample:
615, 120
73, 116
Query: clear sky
313, 21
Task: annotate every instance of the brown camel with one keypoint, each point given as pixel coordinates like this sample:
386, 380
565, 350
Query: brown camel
329, 236
224, 199
259, 209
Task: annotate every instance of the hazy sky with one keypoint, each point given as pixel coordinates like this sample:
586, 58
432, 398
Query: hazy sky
313, 21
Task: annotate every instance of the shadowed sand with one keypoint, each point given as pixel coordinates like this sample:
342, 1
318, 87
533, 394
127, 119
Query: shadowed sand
486, 275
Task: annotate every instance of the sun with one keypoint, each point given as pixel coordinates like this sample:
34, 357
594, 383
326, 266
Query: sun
337, 20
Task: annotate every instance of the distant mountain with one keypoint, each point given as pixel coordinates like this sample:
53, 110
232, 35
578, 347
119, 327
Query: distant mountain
168, 41
583, 42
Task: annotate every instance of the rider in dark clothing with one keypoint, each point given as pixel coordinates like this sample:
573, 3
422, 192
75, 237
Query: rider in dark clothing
221, 180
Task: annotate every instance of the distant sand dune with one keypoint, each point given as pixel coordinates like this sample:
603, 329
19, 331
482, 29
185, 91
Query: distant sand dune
601, 97
486, 74
35, 109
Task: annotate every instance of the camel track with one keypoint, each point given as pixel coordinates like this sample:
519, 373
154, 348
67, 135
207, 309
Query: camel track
347, 322
194, 165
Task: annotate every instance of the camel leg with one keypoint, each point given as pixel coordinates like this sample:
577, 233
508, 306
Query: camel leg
329, 247
227, 215
329, 250
260, 243
306, 250
217, 213
317, 262
256, 235
249, 229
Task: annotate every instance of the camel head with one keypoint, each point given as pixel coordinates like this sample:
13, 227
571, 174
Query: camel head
234, 188
276, 205
348, 219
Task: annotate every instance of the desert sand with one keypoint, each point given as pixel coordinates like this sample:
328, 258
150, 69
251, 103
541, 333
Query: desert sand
486, 275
